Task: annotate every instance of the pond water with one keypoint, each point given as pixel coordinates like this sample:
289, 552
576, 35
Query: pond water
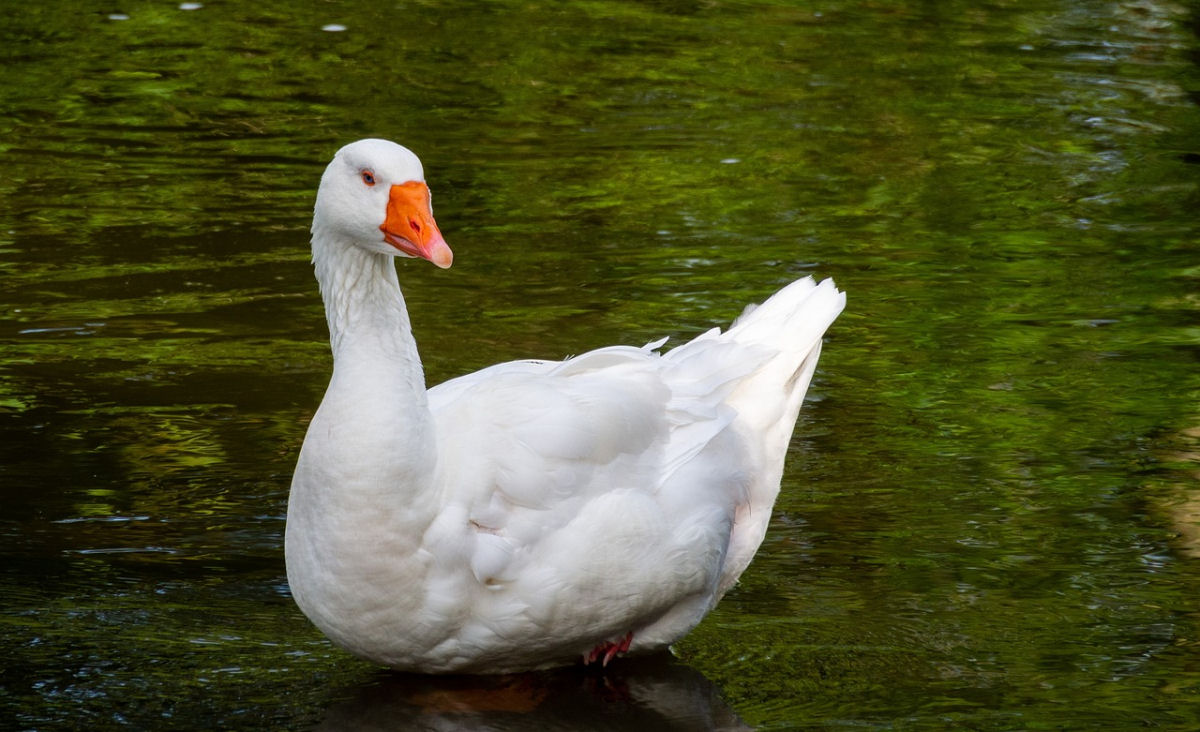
991, 513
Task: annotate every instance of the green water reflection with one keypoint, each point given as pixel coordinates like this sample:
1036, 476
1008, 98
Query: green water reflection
990, 516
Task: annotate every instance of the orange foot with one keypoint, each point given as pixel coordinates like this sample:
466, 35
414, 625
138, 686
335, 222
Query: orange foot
607, 651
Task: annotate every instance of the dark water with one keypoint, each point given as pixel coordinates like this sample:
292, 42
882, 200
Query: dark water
991, 515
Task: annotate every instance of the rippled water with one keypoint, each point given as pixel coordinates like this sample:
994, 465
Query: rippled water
990, 518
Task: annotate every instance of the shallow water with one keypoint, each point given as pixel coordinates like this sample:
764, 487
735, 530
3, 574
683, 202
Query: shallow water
991, 514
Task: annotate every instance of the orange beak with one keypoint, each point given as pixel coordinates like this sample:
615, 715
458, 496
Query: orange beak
410, 227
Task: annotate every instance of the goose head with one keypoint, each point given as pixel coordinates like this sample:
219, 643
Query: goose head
373, 195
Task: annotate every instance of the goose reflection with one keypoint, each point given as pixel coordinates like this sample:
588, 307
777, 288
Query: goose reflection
656, 693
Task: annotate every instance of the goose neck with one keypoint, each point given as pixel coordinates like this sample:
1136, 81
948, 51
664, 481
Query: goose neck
363, 303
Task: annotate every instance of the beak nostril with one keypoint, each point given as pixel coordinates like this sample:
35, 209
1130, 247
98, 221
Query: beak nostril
416, 225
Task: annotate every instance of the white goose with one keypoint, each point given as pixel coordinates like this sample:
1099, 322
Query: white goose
532, 513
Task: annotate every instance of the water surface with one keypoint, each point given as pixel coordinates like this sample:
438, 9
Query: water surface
990, 516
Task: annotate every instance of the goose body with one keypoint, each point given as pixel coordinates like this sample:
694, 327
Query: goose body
533, 513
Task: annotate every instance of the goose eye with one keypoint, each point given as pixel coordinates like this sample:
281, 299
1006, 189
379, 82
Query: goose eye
368, 177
